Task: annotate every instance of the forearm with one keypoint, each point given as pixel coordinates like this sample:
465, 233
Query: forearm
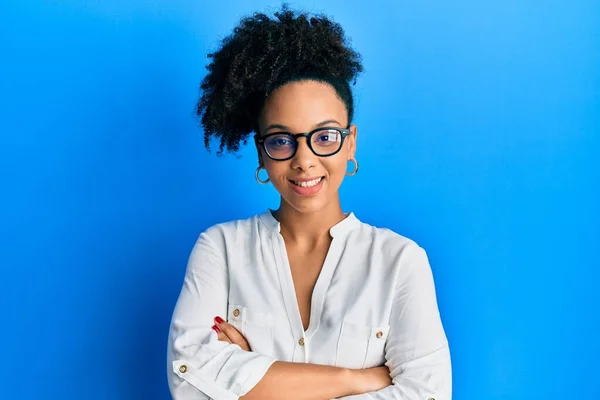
427, 377
300, 381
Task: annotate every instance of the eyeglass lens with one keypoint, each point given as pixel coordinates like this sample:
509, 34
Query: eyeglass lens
283, 145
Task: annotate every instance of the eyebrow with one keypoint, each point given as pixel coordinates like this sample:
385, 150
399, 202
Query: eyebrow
285, 128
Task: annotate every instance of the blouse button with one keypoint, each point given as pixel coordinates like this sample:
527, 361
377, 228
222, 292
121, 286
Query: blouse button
301, 341
183, 369
379, 335
236, 313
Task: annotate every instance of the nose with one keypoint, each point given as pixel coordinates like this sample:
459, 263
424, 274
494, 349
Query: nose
304, 159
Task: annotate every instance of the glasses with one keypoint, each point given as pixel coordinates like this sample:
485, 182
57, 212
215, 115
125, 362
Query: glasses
323, 142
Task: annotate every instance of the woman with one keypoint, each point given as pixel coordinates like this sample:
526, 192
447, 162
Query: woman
304, 302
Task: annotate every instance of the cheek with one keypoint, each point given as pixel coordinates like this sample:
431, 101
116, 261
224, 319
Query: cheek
277, 171
337, 169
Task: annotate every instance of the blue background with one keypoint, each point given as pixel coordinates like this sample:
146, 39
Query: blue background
479, 138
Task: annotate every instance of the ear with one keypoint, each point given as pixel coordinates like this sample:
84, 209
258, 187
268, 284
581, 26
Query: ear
352, 141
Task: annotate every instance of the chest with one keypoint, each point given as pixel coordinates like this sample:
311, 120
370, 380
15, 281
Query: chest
305, 268
329, 306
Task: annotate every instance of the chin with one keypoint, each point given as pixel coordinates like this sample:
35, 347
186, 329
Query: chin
307, 205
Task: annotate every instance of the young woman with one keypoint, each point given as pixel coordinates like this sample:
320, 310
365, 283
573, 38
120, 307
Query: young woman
306, 301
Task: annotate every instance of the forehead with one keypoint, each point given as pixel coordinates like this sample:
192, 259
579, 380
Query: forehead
302, 105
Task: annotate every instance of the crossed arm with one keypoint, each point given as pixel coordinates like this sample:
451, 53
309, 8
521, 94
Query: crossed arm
305, 381
202, 367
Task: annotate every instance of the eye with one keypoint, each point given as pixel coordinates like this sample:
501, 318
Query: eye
282, 140
328, 137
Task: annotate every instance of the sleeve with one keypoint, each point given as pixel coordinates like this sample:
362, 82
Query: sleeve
417, 352
198, 365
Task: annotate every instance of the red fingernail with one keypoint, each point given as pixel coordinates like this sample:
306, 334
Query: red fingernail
219, 320
216, 329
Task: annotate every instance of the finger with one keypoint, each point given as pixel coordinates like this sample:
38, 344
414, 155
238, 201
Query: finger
221, 336
234, 335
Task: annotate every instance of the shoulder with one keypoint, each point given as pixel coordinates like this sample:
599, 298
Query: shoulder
386, 237
230, 233
399, 255
219, 240
388, 244
232, 226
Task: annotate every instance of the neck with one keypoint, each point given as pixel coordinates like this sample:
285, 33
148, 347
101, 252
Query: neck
309, 228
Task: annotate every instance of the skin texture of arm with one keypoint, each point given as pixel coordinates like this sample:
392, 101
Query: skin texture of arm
316, 382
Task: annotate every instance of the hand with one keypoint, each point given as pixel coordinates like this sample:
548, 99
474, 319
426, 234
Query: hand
371, 379
228, 333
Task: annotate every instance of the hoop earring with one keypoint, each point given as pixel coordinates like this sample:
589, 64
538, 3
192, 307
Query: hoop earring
355, 170
258, 178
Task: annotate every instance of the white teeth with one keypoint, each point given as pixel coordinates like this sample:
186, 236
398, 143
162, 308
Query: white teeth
308, 183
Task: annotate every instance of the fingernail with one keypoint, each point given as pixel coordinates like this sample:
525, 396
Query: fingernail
219, 320
216, 329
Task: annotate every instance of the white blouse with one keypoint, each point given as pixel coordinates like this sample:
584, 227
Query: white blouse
374, 303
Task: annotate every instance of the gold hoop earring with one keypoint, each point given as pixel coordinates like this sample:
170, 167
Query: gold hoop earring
258, 178
355, 170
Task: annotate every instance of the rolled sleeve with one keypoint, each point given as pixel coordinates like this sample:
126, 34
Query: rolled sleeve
199, 366
236, 379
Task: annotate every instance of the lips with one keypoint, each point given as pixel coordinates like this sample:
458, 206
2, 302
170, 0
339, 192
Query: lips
307, 183
307, 187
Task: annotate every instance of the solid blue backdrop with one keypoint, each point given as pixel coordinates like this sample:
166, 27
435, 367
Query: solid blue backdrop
479, 127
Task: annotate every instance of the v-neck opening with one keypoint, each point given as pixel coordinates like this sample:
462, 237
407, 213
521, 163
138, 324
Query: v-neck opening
318, 292
323, 281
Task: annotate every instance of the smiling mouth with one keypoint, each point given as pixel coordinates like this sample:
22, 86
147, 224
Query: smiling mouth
307, 184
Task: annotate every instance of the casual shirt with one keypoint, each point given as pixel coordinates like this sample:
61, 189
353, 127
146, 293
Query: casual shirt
373, 304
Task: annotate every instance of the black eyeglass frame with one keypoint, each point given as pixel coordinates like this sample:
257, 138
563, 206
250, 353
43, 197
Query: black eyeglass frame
260, 140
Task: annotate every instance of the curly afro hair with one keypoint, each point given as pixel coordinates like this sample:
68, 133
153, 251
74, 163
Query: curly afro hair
263, 54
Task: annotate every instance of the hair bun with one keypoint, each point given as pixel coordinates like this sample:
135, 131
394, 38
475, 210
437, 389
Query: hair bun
262, 54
